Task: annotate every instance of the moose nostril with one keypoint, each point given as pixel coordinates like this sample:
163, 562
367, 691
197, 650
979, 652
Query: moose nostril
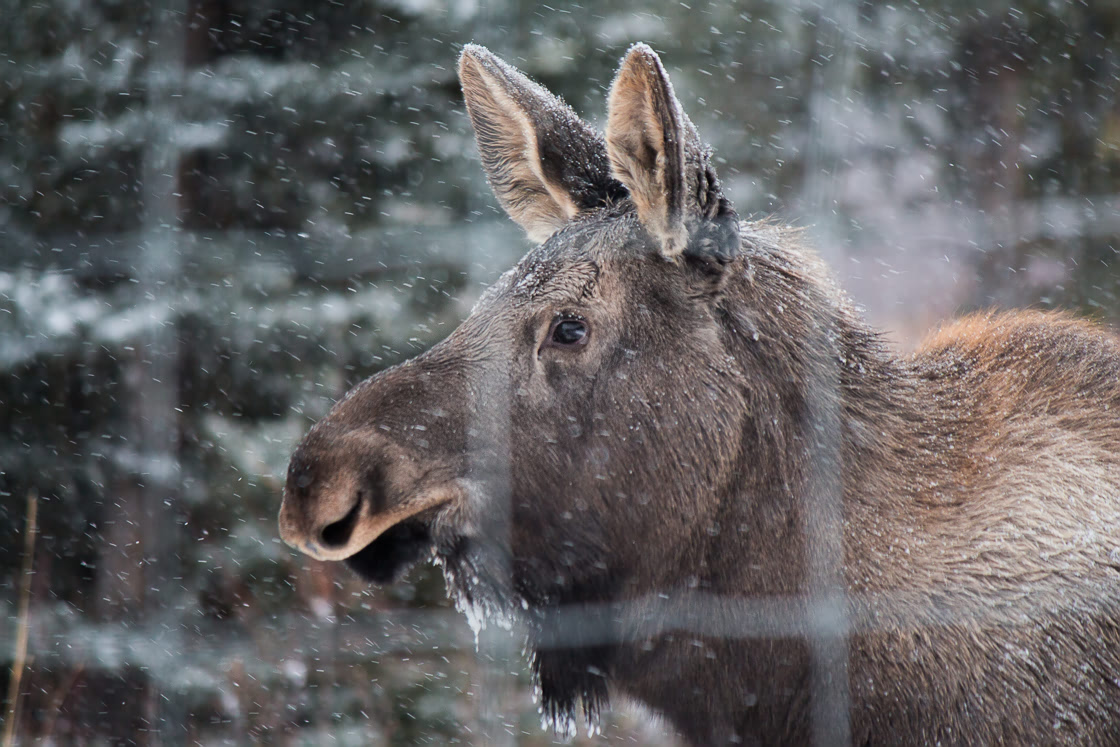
338, 533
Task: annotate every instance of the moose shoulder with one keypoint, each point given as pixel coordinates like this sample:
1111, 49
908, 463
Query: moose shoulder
669, 425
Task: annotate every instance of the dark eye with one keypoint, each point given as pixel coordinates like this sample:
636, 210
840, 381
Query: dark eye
568, 333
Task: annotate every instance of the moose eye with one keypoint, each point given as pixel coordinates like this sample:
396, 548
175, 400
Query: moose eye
567, 333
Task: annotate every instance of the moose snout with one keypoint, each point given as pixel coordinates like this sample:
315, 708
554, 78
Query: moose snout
344, 490
317, 536
325, 503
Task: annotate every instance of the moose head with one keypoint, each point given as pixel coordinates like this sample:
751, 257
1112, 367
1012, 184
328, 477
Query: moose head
659, 398
588, 413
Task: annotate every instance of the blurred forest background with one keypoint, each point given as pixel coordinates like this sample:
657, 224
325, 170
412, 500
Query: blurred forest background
217, 215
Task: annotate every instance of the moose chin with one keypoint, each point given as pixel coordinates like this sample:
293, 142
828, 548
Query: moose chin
669, 446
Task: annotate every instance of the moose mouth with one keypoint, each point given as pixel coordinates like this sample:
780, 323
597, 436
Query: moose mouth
389, 557
394, 540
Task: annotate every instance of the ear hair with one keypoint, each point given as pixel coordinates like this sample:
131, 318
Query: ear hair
656, 153
543, 162
645, 146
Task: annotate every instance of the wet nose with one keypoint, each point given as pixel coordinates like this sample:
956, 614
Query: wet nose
326, 500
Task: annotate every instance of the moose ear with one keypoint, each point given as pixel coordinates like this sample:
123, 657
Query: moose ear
543, 162
656, 153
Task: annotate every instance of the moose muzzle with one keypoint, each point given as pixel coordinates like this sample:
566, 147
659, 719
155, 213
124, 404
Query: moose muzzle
344, 490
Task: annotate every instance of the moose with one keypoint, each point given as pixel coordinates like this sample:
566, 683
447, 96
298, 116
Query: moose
669, 447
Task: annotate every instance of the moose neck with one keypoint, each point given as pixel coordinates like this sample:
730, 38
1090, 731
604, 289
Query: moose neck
828, 441
831, 413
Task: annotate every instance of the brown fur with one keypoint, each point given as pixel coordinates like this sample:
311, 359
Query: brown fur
752, 511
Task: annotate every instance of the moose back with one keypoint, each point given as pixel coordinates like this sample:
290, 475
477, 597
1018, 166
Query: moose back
671, 422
